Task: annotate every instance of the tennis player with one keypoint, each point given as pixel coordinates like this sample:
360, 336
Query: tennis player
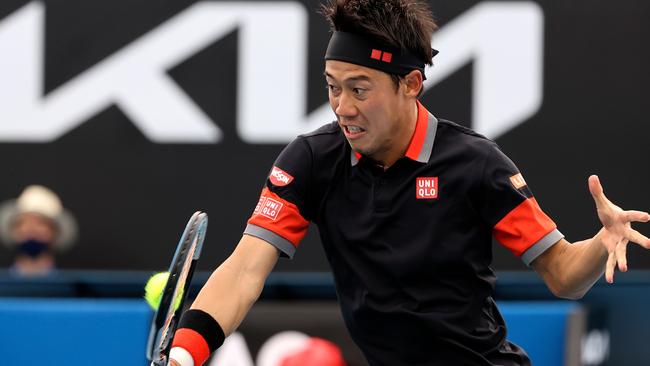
407, 205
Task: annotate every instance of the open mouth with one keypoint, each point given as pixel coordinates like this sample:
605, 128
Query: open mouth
353, 130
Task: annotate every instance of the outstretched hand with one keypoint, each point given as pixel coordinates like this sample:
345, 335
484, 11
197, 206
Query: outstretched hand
618, 230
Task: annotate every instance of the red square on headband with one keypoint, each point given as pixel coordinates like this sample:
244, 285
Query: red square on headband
375, 54
387, 56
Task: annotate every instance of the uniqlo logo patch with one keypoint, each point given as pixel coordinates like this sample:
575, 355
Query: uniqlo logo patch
426, 188
268, 207
279, 177
518, 181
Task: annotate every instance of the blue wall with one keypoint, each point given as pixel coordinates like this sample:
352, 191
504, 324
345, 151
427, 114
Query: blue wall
107, 332
74, 332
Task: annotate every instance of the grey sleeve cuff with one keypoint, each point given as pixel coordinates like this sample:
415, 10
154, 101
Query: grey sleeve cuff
283, 245
541, 246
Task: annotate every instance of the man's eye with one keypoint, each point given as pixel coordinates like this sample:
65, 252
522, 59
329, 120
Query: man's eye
332, 88
358, 91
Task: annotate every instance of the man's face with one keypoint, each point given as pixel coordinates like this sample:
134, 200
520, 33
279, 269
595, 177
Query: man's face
35, 227
371, 112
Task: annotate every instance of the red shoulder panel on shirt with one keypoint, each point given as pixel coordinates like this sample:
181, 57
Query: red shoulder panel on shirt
522, 227
279, 216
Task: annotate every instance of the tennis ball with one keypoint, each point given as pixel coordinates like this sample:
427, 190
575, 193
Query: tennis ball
154, 288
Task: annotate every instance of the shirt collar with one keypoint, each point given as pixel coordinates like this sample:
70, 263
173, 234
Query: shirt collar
421, 144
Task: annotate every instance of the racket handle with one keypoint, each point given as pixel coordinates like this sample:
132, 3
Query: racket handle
162, 362
171, 363
180, 357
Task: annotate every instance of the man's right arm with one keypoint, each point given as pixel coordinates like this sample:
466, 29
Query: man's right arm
235, 285
276, 227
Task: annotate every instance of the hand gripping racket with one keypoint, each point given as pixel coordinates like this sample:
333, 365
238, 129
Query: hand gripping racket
180, 275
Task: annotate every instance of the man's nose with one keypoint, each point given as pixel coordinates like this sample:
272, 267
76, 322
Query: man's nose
346, 106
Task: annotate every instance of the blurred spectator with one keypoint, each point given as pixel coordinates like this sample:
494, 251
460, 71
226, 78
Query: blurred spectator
35, 226
317, 352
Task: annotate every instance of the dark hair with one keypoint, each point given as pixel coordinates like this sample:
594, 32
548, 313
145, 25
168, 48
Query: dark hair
405, 24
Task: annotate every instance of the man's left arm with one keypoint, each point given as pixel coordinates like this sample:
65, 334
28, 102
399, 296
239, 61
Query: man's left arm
569, 270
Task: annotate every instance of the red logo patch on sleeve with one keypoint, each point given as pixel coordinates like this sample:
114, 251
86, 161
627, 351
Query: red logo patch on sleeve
269, 208
518, 181
426, 188
279, 177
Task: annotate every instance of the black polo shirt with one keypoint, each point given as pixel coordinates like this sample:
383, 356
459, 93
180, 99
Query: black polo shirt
410, 247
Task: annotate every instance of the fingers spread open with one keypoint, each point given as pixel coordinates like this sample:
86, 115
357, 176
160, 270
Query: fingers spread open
610, 266
621, 255
638, 216
596, 190
636, 237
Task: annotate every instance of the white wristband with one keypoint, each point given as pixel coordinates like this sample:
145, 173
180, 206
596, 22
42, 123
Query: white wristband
181, 356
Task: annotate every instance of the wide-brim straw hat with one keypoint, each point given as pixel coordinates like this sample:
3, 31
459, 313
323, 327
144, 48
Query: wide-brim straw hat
42, 201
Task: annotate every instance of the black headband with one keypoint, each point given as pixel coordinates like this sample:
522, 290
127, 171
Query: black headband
359, 50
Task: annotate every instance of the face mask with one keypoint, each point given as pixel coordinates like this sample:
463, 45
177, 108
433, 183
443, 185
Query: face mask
33, 248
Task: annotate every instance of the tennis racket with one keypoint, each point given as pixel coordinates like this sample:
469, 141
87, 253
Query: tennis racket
181, 269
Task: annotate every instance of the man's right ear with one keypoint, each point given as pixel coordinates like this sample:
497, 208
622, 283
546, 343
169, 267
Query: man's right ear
413, 83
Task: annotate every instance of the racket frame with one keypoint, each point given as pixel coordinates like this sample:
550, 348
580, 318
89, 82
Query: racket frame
181, 270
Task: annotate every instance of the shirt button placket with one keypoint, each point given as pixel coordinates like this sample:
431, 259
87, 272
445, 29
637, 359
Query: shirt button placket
381, 200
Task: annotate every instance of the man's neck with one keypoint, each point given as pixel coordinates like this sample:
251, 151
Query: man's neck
403, 140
